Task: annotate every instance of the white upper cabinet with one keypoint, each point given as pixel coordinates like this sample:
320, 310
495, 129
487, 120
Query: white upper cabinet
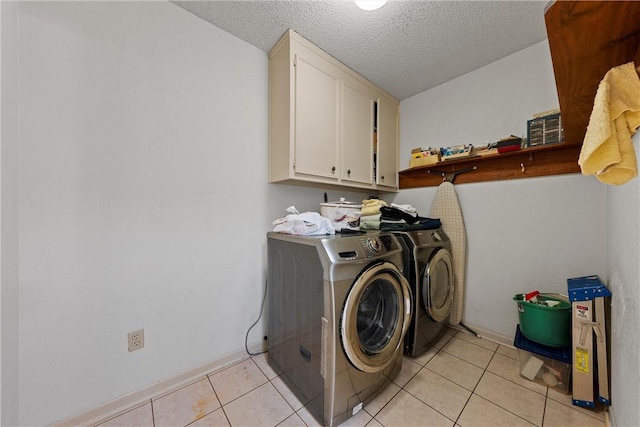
387, 155
358, 104
327, 124
317, 102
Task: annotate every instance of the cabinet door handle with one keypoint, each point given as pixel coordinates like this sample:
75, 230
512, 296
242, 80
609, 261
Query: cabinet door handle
382, 178
333, 169
349, 172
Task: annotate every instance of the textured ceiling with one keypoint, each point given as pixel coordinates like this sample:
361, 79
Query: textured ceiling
405, 47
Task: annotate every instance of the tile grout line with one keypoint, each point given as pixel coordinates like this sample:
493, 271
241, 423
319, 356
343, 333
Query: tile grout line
492, 402
295, 412
243, 394
425, 367
544, 408
217, 397
474, 388
205, 415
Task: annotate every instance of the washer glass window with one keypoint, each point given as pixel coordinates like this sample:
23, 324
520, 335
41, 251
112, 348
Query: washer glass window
437, 286
377, 315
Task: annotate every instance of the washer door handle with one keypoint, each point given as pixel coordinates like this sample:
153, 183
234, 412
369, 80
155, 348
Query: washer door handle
406, 290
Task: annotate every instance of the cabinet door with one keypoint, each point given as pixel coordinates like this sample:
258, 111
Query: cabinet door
387, 173
357, 132
316, 116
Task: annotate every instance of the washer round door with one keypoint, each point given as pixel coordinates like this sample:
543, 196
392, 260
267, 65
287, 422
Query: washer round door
375, 317
437, 286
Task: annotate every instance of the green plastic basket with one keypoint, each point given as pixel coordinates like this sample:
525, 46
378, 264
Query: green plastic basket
545, 325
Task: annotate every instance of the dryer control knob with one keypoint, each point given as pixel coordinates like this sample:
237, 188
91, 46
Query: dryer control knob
373, 245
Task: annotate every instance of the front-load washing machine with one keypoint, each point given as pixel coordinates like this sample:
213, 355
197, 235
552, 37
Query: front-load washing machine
339, 308
429, 269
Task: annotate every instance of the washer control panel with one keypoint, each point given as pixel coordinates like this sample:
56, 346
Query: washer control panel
361, 247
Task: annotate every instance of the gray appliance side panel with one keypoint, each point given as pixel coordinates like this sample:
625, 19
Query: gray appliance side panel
296, 303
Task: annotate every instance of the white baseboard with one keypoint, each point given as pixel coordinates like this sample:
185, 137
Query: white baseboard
487, 334
142, 396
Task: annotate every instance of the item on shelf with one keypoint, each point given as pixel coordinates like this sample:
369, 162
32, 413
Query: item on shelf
424, 156
455, 151
546, 113
487, 149
510, 143
545, 130
420, 150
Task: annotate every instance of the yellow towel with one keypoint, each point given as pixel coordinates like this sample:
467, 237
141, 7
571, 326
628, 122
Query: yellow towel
370, 210
607, 150
372, 206
374, 202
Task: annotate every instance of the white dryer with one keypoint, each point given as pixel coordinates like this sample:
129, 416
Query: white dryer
339, 308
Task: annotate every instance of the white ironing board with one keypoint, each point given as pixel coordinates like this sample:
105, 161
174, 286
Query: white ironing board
446, 207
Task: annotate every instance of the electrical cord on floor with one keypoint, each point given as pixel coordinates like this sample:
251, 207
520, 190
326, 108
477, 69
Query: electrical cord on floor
246, 337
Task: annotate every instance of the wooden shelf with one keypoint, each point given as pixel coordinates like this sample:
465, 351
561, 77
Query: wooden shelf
546, 160
586, 39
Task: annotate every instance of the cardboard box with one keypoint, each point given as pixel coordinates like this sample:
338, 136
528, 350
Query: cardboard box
587, 295
420, 150
420, 159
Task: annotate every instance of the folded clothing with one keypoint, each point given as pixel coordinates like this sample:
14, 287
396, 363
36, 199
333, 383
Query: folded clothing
392, 213
369, 225
422, 224
393, 221
375, 217
372, 206
373, 202
406, 208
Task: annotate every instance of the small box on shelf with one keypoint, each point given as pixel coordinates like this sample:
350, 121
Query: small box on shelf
545, 130
488, 149
424, 156
455, 152
510, 143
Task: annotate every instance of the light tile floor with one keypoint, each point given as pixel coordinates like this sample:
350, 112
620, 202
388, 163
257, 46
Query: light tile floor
463, 381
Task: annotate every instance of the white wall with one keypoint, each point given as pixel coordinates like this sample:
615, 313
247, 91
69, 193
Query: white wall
9, 215
623, 262
141, 187
522, 234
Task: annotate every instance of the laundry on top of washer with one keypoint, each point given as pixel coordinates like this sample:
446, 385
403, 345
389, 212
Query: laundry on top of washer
372, 206
399, 219
303, 224
406, 208
393, 213
422, 224
371, 222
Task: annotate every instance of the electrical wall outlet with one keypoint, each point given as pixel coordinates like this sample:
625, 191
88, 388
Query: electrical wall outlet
136, 340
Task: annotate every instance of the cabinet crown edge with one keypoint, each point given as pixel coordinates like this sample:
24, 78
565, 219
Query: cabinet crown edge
291, 35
